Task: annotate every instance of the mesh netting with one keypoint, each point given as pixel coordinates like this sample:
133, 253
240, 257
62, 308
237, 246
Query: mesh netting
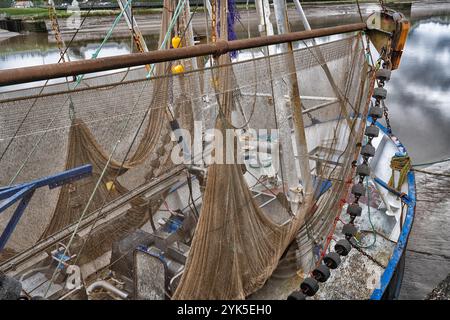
238, 241
250, 213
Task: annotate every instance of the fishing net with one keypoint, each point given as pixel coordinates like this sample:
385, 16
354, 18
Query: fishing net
239, 239
305, 106
85, 127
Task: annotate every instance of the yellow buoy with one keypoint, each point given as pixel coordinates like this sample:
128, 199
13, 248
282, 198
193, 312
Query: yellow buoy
215, 82
176, 69
176, 42
110, 186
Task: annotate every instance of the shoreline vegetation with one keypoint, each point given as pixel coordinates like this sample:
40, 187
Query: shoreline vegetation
41, 13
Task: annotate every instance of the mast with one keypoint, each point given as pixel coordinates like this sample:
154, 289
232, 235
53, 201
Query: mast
300, 11
307, 27
287, 162
304, 254
265, 27
299, 128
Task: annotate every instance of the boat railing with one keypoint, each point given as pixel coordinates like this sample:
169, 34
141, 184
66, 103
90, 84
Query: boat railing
75, 68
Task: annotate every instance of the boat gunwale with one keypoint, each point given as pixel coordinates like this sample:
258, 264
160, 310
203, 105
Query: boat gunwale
402, 242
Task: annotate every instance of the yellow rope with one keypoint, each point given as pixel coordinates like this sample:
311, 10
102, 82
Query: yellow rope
402, 164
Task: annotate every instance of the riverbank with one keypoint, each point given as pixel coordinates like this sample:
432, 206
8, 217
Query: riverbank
98, 22
42, 12
5, 34
96, 26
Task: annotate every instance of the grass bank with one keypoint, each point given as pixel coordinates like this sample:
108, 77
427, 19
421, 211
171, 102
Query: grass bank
42, 13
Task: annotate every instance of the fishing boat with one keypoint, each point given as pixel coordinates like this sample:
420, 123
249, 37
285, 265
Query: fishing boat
256, 168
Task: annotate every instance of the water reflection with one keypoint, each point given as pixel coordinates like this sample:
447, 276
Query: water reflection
37, 57
419, 92
36, 49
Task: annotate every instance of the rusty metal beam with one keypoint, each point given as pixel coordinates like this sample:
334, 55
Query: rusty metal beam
74, 68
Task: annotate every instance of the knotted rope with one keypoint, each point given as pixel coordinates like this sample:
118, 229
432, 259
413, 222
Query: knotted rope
402, 164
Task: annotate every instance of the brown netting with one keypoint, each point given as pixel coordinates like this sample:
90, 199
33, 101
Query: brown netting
236, 247
245, 223
91, 135
84, 149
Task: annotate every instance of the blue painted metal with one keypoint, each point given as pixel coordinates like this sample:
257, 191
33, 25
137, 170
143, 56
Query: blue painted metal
173, 225
52, 181
25, 191
15, 197
160, 256
397, 142
15, 218
405, 198
399, 249
401, 244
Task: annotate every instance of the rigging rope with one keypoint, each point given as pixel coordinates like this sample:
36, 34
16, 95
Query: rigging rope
432, 173
94, 191
174, 20
106, 38
359, 11
44, 86
402, 164
79, 78
124, 160
431, 163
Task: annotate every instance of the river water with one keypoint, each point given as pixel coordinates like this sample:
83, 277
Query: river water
418, 94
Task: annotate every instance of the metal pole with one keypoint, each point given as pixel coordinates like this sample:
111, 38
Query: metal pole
265, 27
301, 143
74, 68
302, 15
287, 161
304, 255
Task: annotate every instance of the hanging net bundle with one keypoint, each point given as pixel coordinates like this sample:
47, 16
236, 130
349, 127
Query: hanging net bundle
251, 212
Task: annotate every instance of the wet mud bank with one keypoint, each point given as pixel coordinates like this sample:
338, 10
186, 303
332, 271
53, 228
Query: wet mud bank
428, 250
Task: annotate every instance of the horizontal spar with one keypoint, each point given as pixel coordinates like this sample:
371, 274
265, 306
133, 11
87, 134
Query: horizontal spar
75, 68
108, 212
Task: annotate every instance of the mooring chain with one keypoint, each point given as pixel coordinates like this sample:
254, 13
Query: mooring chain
368, 256
386, 118
385, 76
332, 260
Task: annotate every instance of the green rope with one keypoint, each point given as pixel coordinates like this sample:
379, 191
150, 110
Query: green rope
370, 216
108, 35
175, 16
402, 164
79, 78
